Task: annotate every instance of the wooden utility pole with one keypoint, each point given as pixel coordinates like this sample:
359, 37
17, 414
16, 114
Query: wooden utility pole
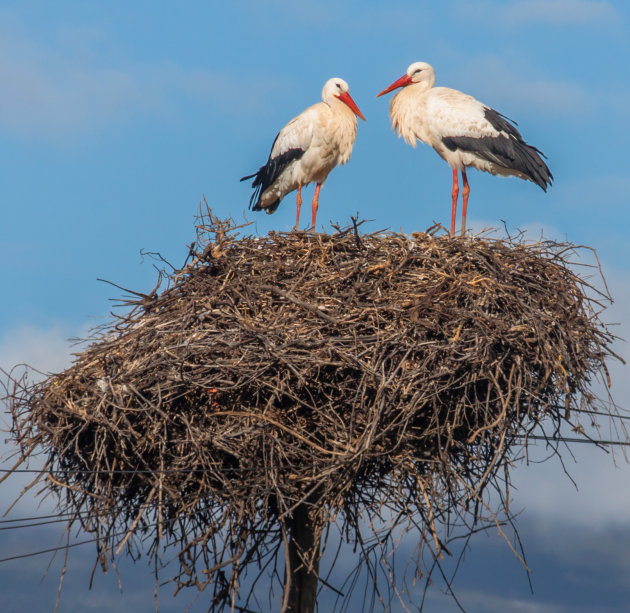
301, 578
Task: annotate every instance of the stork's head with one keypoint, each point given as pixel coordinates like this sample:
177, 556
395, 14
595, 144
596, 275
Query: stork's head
337, 88
418, 72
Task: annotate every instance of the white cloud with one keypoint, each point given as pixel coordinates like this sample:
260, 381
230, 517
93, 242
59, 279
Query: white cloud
309, 11
602, 497
167, 81
619, 102
558, 12
48, 92
590, 192
46, 350
476, 601
495, 83
61, 89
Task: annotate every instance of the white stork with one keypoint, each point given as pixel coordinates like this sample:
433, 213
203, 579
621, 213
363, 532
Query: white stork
307, 149
463, 131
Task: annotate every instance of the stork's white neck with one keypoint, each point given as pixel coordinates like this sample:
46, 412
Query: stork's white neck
341, 108
403, 111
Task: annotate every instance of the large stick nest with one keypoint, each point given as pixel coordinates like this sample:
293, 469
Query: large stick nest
370, 376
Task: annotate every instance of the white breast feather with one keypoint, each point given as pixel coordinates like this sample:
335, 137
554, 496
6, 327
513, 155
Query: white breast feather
325, 134
431, 115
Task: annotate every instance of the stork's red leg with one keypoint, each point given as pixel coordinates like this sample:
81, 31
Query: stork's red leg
465, 192
315, 204
454, 194
298, 201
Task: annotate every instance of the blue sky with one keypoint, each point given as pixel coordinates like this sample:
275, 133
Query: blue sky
117, 118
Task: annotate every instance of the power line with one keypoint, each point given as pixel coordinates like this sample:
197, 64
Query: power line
36, 518
58, 518
569, 439
42, 520
560, 439
600, 414
130, 471
34, 524
59, 548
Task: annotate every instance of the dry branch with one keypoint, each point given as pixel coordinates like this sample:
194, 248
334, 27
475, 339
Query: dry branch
371, 378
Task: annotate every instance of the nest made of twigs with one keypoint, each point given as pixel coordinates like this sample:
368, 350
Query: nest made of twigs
350, 372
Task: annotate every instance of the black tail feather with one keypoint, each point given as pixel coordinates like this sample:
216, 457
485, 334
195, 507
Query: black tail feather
506, 152
267, 174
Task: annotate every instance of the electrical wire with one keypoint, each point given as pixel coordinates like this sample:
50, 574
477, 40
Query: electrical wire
54, 549
130, 471
34, 524
560, 439
570, 439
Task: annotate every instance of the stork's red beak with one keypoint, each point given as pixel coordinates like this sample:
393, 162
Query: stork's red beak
404, 80
346, 98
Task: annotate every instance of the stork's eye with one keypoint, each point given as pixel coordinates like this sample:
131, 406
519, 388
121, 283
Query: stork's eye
338, 85
417, 70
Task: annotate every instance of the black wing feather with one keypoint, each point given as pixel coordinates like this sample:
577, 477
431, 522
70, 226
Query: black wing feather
510, 152
267, 174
